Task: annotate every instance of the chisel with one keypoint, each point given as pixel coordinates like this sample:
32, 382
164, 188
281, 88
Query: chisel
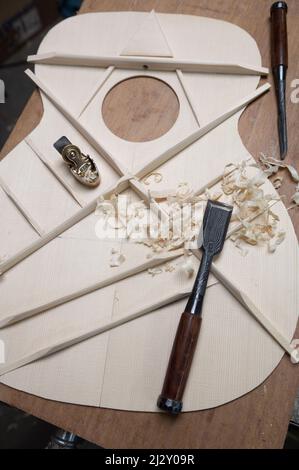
211, 239
279, 49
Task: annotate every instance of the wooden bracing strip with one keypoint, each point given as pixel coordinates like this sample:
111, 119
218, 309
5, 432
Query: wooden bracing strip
144, 266
28, 217
72, 340
188, 97
164, 64
108, 73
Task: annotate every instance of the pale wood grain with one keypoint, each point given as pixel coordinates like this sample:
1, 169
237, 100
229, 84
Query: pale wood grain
260, 418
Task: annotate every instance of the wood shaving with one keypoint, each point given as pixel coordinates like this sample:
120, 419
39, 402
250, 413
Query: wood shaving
187, 267
295, 197
155, 271
271, 167
277, 182
276, 241
117, 259
169, 268
156, 177
243, 251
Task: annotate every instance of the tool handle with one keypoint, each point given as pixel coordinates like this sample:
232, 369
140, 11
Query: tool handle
279, 35
180, 363
195, 301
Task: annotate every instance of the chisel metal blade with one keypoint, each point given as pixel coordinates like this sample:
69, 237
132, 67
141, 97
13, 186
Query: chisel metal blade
282, 120
279, 58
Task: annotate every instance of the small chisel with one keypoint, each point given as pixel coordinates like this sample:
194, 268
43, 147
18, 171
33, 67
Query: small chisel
279, 49
211, 239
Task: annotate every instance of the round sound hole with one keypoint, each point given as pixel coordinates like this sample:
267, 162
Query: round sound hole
140, 109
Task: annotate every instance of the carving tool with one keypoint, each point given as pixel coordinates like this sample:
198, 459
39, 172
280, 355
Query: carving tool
279, 43
211, 240
82, 167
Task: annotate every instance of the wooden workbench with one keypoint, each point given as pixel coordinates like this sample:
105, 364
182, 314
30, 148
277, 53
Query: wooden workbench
259, 419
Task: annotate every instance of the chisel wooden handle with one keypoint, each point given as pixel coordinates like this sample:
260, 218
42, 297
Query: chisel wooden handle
180, 363
279, 34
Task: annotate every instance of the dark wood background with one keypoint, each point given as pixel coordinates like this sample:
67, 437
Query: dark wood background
259, 419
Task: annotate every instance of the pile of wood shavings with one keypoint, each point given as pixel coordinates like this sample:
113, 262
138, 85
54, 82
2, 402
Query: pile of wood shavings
148, 228
242, 191
249, 200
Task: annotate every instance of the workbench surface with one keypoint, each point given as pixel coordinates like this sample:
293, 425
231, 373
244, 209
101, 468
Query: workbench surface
259, 419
